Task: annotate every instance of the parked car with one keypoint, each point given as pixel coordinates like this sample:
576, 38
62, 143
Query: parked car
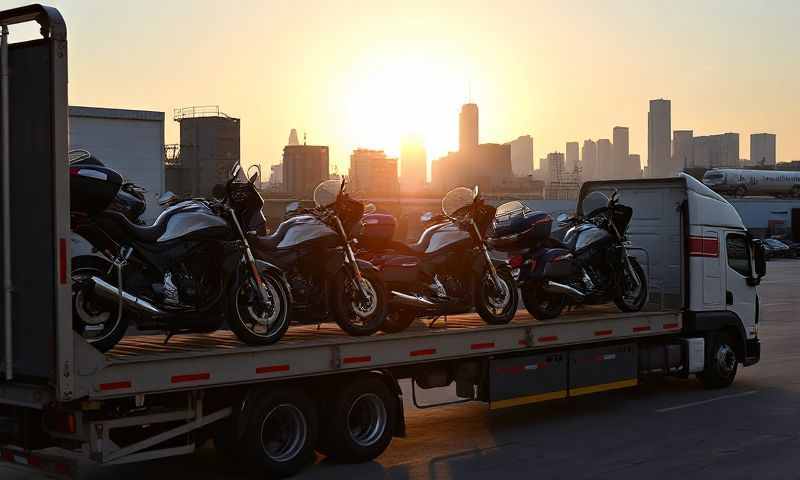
776, 249
793, 246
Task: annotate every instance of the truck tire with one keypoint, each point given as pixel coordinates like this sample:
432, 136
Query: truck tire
280, 433
397, 321
721, 362
360, 422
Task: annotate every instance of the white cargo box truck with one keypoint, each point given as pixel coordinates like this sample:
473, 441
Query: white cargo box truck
63, 403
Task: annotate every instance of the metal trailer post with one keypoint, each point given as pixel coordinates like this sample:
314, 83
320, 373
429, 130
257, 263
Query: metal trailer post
6, 213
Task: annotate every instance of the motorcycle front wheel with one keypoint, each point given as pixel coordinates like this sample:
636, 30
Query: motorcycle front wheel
254, 321
356, 315
540, 304
633, 298
496, 306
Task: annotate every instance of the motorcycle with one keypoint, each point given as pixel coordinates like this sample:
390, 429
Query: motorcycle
448, 271
189, 271
313, 247
590, 265
129, 200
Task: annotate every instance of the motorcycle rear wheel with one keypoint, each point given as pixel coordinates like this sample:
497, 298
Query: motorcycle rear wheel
540, 304
397, 321
95, 322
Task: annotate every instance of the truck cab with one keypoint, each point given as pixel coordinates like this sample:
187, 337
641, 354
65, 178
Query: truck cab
725, 267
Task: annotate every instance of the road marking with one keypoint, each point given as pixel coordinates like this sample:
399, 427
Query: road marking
776, 304
703, 402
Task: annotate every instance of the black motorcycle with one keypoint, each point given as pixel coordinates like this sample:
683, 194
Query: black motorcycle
188, 272
591, 265
448, 271
313, 248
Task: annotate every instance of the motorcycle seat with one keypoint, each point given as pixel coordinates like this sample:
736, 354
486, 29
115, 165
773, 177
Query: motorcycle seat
141, 233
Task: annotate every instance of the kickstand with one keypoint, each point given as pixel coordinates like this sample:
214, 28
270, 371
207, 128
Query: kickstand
169, 335
319, 324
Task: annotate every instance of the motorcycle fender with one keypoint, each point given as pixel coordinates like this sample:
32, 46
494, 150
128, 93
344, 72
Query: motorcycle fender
277, 273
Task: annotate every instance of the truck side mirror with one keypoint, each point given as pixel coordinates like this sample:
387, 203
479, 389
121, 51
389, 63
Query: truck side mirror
759, 258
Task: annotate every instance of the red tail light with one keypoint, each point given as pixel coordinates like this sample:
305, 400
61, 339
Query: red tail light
516, 261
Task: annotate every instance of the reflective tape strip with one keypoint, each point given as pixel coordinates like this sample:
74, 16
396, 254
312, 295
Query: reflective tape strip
104, 387
550, 338
641, 328
513, 402
191, 377
603, 333
362, 359
422, 352
273, 369
574, 392
481, 346
703, 246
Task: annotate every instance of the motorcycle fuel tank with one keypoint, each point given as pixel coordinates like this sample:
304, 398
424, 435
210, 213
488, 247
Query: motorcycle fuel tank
191, 218
583, 236
303, 229
441, 236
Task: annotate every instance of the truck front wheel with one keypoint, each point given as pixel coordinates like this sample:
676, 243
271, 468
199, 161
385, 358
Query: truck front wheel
281, 432
721, 362
361, 421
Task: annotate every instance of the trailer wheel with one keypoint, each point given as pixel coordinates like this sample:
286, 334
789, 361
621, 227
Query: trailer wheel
280, 432
361, 421
721, 362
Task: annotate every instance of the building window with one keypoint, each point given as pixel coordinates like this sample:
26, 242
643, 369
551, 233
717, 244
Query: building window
738, 253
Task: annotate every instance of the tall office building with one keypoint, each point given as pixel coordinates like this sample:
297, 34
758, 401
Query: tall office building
293, 138
620, 154
683, 149
762, 149
304, 167
413, 164
716, 151
522, 156
571, 159
634, 166
468, 127
553, 167
659, 126
589, 160
371, 171
604, 168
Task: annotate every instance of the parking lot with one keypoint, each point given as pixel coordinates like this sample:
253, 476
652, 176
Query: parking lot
664, 428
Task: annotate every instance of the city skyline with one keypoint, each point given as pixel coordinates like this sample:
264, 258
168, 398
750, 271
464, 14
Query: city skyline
366, 79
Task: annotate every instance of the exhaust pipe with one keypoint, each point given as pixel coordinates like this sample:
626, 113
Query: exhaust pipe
554, 287
411, 300
109, 292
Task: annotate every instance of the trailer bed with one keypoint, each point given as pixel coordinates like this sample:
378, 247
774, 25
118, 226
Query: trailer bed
145, 364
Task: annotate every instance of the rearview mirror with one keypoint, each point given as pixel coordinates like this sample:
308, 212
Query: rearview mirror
167, 198
759, 258
562, 218
426, 217
291, 207
254, 176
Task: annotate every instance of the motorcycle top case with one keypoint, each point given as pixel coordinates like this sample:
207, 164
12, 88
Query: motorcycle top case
92, 188
377, 230
522, 228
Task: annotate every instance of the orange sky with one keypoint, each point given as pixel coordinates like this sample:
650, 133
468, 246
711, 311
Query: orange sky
366, 73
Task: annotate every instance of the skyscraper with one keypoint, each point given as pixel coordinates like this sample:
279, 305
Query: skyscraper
762, 149
715, 151
468, 127
682, 149
620, 152
304, 167
554, 167
659, 126
371, 171
634, 166
522, 156
589, 160
413, 164
604, 168
571, 160
293, 138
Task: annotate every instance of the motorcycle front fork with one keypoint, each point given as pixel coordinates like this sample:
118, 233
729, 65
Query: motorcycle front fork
251, 261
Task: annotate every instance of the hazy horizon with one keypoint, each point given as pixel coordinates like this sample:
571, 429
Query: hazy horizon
364, 74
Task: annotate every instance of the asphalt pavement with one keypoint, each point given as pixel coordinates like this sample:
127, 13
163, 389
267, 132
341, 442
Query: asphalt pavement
664, 428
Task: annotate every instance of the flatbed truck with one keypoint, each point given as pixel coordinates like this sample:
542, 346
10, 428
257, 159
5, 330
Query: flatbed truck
63, 404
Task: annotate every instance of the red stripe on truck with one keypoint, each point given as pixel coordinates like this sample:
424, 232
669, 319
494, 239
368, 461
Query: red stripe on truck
641, 328
603, 333
422, 352
191, 377
703, 246
481, 346
364, 359
104, 387
272, 369
670, 326
550, 338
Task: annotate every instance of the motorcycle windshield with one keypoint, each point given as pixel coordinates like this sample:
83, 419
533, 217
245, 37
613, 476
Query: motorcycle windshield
593, 204
457, 199
327, 192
